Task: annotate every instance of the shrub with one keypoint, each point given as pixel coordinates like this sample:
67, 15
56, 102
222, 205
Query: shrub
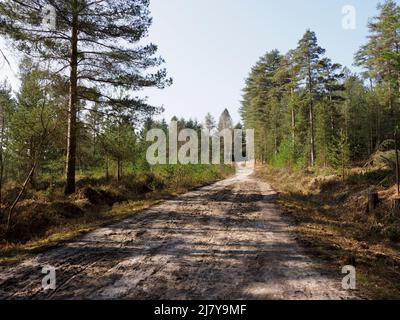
393, 232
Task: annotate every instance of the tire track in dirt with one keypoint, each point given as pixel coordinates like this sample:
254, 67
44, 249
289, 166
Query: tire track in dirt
225, 241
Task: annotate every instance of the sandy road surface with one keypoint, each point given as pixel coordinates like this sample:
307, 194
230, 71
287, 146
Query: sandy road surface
225, 241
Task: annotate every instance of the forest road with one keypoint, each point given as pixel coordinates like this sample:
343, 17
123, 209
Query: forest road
224, 241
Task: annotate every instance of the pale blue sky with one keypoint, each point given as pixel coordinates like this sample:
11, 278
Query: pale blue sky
210, 45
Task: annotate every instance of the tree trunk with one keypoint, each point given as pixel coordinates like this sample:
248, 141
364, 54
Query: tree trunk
396, 207
94, 145
293, 121
312, 135
73, 106
107, 169
1, 177
390, 101
32, 160
397, 165
343, 171
18, 198
373, 200
331, 115
2, 157
398, 82
118, 170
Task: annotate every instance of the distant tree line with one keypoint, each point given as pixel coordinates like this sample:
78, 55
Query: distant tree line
110, 142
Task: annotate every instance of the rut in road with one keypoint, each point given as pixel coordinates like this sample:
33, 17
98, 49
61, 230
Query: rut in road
225, 241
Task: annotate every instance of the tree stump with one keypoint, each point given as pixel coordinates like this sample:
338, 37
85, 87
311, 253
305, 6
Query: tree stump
396, 207
373, 200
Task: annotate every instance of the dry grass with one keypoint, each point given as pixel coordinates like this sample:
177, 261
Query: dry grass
332, 223
42, 221
11, 252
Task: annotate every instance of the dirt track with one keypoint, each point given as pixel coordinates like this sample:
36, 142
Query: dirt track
225, 241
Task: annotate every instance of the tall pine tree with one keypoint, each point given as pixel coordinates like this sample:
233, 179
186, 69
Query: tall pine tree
308, 56
97, 42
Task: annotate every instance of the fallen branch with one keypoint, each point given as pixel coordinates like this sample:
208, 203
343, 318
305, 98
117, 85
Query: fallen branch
18, 198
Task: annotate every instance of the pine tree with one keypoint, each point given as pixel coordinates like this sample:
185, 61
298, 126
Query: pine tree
96, 41
33, 121
225, 121
381, 58
7, 107
358, 118
225, 126
308, 56
119, 142
340, 153
287, 75
209, 122
260, 105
